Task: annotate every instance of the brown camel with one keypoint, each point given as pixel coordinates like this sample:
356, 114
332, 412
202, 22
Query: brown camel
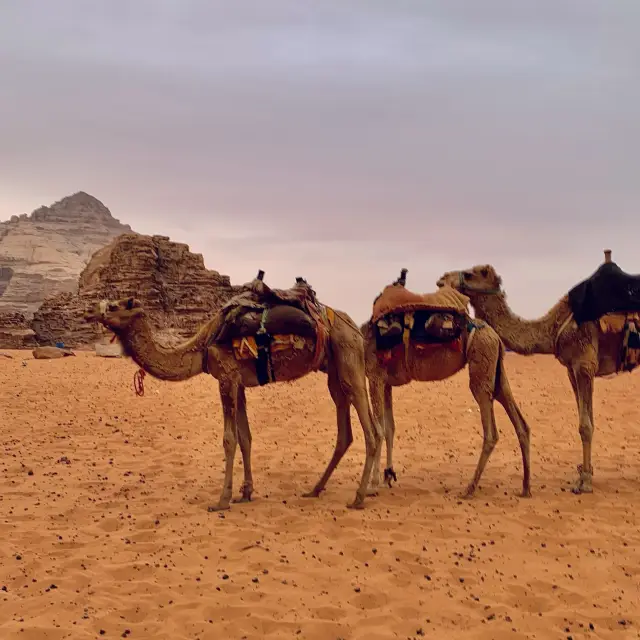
342, 360
585, 350
480, 347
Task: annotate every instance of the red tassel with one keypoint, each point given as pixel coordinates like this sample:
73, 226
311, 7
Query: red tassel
138, 381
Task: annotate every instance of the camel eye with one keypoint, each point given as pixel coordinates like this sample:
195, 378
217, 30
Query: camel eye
467, 275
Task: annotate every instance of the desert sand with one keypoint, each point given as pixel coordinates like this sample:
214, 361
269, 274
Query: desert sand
105, 530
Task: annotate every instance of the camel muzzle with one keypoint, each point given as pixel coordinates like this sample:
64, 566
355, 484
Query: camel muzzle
96, 314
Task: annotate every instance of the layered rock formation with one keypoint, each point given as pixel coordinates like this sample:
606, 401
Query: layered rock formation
15, 332
178, 292
43, 254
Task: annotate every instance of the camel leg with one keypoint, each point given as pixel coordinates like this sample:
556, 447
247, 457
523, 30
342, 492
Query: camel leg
506, 399
389, 432
372, 434
584, 388
345, 434
490, 438
348, 360
244, 439
376, 393
228, 396
347, 371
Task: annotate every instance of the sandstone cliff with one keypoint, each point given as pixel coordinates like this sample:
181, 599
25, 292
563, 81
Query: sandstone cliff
177, 290
15, 332
43, 254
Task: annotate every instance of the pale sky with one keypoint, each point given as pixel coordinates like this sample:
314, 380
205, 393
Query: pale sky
339, 140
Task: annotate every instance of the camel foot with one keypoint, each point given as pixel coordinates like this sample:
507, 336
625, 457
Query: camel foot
245, 494
372, 492
469, 493
314, 493
584, 482
583, 486
358, 503
526, 493
389, 475
218, 507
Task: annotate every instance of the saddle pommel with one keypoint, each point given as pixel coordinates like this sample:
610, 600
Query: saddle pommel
402, 280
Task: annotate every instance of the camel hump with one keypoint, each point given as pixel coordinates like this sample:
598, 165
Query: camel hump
395, 299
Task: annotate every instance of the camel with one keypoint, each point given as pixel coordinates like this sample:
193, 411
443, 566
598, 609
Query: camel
342, 359
585, 350
478, 346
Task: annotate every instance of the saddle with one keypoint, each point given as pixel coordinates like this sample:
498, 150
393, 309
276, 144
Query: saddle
261, 321
395, 298
427, 320
608, 290
627, 325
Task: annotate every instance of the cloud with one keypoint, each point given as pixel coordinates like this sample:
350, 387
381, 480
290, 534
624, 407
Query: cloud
343, 140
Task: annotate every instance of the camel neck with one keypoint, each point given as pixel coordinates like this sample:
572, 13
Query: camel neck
179, 363
522, 336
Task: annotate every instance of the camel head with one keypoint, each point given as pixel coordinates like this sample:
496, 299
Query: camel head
478, 279
115, 314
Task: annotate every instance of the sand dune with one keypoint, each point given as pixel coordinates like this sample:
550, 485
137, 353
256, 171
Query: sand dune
105, 531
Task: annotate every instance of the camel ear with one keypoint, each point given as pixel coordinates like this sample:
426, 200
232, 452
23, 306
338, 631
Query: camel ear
129, 304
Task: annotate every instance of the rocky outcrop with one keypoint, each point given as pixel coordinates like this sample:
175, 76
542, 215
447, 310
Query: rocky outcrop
15, 332
43, 253
178, 292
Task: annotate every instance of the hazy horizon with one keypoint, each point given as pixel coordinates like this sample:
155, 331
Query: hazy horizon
337, 141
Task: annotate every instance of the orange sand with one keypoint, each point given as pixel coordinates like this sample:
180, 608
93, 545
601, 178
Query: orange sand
104, 495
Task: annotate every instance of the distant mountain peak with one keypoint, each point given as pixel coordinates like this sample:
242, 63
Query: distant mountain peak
44, 253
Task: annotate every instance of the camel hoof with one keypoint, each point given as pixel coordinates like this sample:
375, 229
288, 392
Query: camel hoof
372, 493
311, 494
218, 507
469, 493
358, 504
584, 483
526, 493
245, 494
390, 476
582, 488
